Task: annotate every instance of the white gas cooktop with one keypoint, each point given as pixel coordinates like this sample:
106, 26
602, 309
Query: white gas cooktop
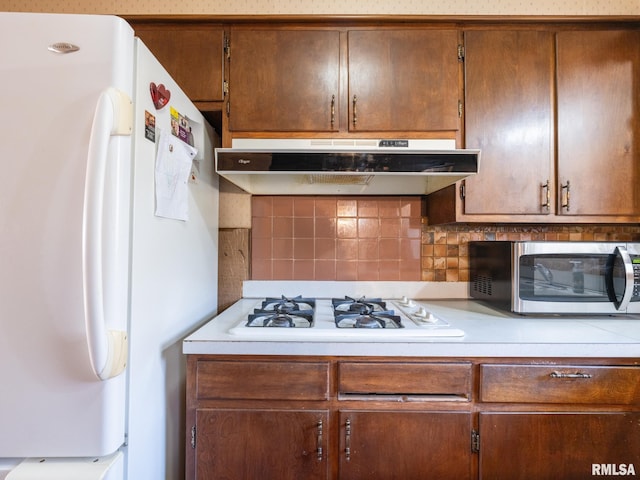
416, 320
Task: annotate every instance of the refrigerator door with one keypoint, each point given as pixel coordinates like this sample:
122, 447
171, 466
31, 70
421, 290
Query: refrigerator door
174, 273
52, 402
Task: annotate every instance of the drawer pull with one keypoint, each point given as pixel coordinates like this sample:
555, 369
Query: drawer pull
319, 441
333, 110
569, 375
567, 187
347, 440
355, 111
546, 190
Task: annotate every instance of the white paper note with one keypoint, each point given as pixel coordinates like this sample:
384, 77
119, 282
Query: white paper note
173, 166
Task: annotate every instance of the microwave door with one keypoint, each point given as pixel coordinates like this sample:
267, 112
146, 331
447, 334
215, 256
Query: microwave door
621, 279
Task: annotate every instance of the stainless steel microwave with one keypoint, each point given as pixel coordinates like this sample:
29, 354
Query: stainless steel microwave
556, 277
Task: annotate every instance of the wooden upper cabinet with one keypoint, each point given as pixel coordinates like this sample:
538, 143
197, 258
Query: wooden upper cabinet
192, 54
306, 80
284, 80
599, 122
557, 118
403, 80
509, 116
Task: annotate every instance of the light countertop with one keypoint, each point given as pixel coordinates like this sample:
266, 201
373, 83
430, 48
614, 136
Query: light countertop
488, 332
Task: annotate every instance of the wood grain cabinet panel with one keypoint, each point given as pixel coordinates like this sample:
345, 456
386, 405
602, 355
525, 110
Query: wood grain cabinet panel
284, 80
551, 446
403, 80
262, 380
437, 379
509, 117
269, 444
404, 445
192, 54
598, 123
566, 384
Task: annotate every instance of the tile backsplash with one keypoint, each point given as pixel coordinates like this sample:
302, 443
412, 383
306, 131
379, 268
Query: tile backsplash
336, 238
380, 238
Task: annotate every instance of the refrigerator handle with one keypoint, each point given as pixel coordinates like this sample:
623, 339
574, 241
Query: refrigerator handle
108, 349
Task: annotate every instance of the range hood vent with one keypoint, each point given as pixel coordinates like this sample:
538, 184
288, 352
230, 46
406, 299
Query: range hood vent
335, 179
344, 166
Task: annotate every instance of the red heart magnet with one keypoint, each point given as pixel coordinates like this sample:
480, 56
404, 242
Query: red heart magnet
159, 95
154, 92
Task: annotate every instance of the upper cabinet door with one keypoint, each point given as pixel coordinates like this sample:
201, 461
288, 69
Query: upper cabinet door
403, 80
192, 54
284, 80
509, 116
598, 122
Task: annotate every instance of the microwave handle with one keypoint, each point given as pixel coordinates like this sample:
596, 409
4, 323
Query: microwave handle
628, 278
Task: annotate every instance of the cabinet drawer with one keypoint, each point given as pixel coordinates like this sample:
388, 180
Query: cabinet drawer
405, 378
262, 380
559, 384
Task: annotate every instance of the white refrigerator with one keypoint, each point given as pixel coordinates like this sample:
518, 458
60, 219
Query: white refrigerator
108, 250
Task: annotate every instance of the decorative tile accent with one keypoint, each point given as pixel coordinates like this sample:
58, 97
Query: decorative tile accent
445, 253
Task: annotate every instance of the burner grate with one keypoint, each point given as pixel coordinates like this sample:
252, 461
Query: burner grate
364, 313
283, 312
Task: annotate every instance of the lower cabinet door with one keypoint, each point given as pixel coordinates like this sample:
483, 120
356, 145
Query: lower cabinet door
404, 445
268, 444
556, 446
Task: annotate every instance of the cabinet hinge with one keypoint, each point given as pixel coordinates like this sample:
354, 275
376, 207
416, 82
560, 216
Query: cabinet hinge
225, 87
462, 191
228, 107
461, 53
460, 108
193, 436
227, 47
475, 441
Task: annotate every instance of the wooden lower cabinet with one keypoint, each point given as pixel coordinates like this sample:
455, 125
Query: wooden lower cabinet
404, 445
558, 421
296, 444
559, 445
353, 418
261, 443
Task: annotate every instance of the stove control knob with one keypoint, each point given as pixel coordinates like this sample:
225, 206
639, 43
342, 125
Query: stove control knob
423, 315
406, 302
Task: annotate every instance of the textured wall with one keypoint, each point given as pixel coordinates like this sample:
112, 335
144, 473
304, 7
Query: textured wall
330, 7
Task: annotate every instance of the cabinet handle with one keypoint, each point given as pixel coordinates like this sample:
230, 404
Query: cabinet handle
319, 441
570, 375
347, 440
546, 194
567, 187
355, 111
333, 110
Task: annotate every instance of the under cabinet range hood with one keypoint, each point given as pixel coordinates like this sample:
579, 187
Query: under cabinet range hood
344, 166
